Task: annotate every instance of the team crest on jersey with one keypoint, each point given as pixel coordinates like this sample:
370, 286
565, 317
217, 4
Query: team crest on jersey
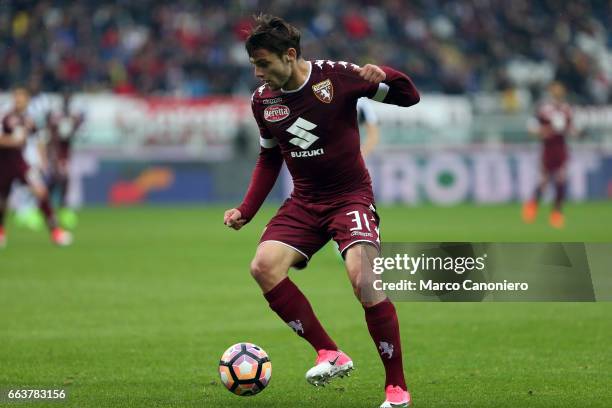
276, 113
324, 91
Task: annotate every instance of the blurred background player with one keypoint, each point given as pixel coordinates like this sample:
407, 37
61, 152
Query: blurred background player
17, 126
552, 125
62, 127
23, 201
367, 117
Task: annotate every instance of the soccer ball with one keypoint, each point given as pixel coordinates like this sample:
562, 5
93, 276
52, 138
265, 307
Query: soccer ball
245, 369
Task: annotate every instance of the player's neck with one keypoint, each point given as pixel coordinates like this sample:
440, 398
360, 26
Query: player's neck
299, 76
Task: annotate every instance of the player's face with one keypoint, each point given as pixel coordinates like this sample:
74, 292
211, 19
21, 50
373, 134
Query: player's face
272, 69
21, 99
557, 91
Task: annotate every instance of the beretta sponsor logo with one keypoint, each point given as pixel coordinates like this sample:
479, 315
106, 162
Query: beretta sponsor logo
275, 113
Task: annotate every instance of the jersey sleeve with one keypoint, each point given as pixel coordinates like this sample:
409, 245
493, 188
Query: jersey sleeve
266, 171
396, 89
7, 127
266, 140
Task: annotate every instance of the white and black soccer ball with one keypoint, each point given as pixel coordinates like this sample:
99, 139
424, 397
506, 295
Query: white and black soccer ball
245, 369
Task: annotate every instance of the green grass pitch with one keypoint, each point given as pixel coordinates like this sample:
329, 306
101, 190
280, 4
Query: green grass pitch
139, 310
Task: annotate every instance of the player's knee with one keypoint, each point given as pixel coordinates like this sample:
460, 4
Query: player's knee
359, 269
356, 275
262, 267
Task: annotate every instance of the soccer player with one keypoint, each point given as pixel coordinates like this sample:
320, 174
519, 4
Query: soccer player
552, 124
17, 126
25, 203
368, 118
62, 126
307, 117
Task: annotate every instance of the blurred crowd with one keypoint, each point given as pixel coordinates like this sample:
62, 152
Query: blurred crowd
194, 48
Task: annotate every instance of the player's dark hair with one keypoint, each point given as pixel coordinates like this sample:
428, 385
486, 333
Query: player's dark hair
273, 34
20, 87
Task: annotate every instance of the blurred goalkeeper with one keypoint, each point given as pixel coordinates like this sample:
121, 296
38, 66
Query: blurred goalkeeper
307, 117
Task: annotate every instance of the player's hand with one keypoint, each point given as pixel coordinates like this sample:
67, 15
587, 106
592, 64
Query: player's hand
233, 219
372, 73
19, 136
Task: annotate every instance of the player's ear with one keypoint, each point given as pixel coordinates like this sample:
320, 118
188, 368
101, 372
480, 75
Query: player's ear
291, 55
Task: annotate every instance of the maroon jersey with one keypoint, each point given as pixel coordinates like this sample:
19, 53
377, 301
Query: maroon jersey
557, 118
314, 130
62, 128
13, 124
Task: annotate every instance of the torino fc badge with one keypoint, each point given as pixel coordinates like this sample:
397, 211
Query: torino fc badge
324, 91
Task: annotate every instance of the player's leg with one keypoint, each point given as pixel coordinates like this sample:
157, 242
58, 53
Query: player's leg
26, 208
381, 319
5, 189
36, 184
58, 189
355, 227
271, 264
557, 219
62, 183
52, 185
530, 208
269, 268
7, 175
290, 239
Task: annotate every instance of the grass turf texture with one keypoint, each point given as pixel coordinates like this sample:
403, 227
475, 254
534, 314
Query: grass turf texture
139, 310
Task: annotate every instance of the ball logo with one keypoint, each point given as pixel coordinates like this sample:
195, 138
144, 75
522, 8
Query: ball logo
276, 113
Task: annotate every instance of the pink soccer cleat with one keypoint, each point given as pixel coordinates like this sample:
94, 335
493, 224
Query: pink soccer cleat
330, 364
530, 211
2, 238
556, 219
61, 237
396, 397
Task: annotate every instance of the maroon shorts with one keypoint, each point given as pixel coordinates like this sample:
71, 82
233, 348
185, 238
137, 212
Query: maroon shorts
553, 159
307, 227
13, 170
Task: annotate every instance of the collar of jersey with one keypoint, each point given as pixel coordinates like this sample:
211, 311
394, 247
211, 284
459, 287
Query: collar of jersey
305, 82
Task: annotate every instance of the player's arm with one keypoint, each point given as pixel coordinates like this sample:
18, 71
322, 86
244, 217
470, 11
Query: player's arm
572, 130
41, 144
263, 178
539, 126
12, 137
385, 84
8, 142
